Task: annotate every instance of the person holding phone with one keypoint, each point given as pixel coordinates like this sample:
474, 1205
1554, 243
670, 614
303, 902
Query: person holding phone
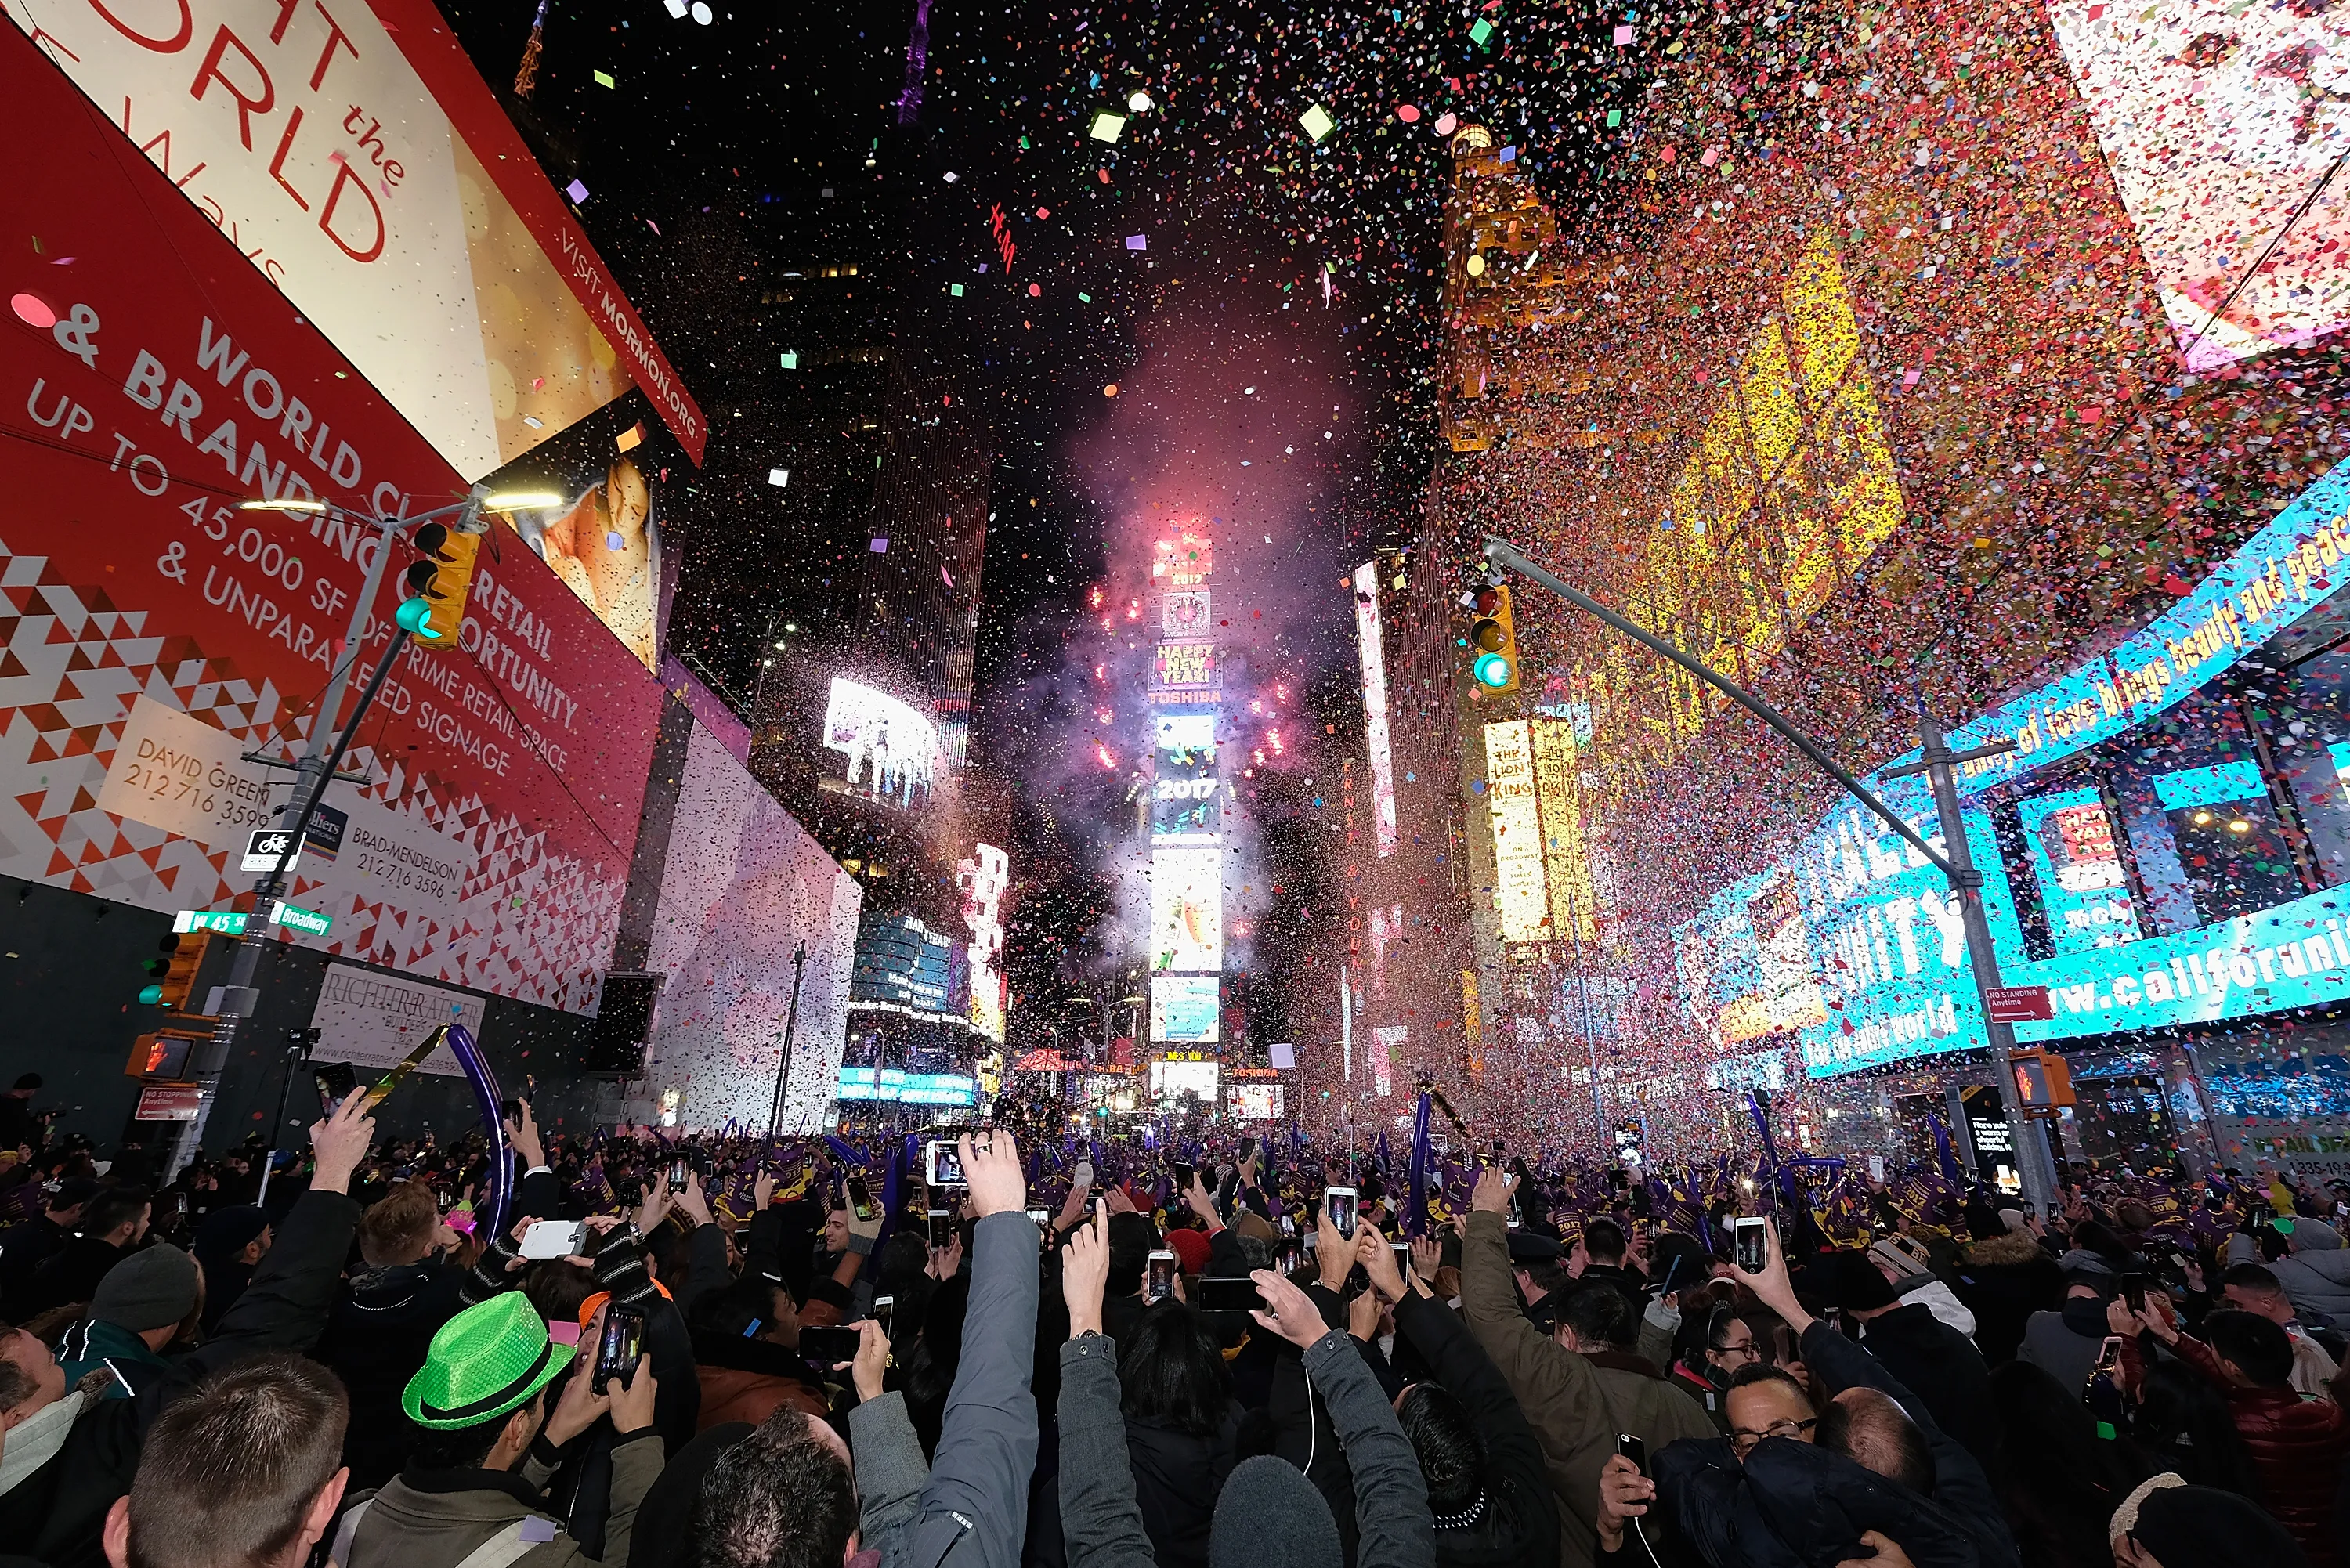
1560, 1389
1266, 1501
967, 1507
480, 1403
1487, 1486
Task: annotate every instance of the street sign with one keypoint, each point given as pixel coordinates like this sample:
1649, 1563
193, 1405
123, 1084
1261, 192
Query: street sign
263, 845
169, 1103
2018, 1004
309, 923
231, 923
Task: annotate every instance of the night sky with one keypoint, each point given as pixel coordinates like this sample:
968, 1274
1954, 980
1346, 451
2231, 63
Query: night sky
1265, 258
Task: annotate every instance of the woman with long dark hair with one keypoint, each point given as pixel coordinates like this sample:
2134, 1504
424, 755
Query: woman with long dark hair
1182, 1428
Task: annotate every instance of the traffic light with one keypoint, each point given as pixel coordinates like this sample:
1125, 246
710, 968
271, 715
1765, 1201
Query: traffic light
175, 974
1492, 642
437, 586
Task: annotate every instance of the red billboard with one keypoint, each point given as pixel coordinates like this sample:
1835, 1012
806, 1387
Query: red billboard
155, 641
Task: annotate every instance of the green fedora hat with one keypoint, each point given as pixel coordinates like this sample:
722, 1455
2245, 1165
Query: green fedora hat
485, 1363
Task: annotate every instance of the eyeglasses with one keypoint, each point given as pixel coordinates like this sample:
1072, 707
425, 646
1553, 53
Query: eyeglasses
1735, 1352
1742, 1441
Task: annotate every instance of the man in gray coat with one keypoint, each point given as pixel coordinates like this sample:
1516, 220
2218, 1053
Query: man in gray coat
2315, 1271
969, 1508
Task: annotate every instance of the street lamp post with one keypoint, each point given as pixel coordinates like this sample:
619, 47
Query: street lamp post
312, 771
791, 1025
1938, 763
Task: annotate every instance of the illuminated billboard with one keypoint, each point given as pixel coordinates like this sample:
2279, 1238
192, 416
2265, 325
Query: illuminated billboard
2078, 865
900, 1086
1574, 903
2245, 99
1187, 908
983, 879
1172, 1080
1521, 895
1868, 921
892, 747
1183, 672
1184, 1009
1186, 793
604, 538
1791, 487
1184, 613
1368, 644
1254, 1102
1184, 561
361, 165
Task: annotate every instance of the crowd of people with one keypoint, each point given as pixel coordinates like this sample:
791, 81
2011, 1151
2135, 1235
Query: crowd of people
717, 1352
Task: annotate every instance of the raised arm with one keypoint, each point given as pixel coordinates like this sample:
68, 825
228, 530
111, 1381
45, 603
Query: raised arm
1394, 1527
1101, 1525
974, 1510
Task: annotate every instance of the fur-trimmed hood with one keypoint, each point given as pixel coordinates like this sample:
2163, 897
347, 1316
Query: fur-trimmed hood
2015, 1247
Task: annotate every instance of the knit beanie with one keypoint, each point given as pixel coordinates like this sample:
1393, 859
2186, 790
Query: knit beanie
2207, 1527
1270, 1516
1190, 1248
150, 1289
1857, 1284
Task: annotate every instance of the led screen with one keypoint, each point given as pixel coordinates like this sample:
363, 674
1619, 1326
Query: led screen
1521, 894
2084, 888
2218, 123
1879, 931
1254, 1102
1187, 908
1186, 795
1170, 1080
892, 748
1184, 1008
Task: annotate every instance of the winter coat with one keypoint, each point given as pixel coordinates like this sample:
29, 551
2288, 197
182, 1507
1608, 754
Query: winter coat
1519, 1528
1177, 1476
375, 1341
748, 1379
1793, 1504
22, 1248
1943, 1368
69, 1276
1962, 1487
437, 1519
2004, 1279
1103, 1526
2297, 1444
970, 1509
92, 1345
2065, 1343
57, 1482
1574, 1415
2316, 1282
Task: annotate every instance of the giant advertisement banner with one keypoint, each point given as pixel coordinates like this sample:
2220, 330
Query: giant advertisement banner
155, 633
357, 162
744, 886
1877, 937
2223, 126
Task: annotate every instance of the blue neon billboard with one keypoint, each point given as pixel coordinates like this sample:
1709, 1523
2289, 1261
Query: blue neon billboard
1875, 971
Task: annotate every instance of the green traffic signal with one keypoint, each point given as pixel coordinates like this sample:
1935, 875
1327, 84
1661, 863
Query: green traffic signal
1492, 670
415, 617
150, 995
